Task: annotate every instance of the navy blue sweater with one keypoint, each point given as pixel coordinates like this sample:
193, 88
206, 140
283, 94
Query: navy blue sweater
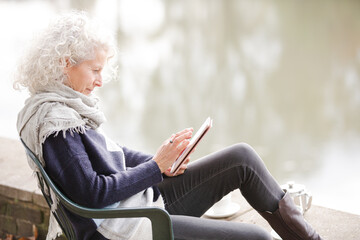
89, 174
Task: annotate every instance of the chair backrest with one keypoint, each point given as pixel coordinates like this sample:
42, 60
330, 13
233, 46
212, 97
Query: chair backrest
160, 219
45, 184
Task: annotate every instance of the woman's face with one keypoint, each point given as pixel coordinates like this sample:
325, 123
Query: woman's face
85, 76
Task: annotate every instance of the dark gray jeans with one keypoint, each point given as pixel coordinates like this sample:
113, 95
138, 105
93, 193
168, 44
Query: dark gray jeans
206, 181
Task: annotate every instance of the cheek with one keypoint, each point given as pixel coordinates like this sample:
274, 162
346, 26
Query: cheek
86, 79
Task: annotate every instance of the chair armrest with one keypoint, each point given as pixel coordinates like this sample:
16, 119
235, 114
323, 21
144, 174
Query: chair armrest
160, 219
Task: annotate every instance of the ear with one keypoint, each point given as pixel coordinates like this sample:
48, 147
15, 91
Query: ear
68, 65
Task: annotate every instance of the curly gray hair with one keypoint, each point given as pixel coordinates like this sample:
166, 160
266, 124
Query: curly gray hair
73, 38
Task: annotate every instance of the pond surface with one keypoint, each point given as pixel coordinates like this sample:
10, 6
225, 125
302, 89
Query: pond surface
282, 76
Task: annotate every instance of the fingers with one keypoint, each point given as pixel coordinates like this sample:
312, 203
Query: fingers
181, 170
171, 148
185, 131
185, 163
182, 132
181, 136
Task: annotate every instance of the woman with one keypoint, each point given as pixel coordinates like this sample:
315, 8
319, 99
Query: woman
60, 122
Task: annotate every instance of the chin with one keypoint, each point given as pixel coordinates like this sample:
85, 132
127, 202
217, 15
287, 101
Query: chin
86, 92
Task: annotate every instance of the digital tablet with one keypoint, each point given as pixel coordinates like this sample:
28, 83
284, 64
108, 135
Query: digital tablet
193, 142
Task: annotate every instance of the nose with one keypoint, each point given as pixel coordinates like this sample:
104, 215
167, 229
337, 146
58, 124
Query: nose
98, 81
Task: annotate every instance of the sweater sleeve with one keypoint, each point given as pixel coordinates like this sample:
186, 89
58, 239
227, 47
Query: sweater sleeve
94, 178
134, 158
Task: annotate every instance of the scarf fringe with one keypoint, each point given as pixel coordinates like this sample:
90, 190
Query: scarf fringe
81, 129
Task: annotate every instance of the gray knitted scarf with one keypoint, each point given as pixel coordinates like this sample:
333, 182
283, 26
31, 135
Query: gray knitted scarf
57, 109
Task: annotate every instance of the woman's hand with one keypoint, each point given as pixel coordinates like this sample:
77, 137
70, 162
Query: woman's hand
172, 148
181, 170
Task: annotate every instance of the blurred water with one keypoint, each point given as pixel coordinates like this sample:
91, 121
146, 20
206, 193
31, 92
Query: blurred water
282, 76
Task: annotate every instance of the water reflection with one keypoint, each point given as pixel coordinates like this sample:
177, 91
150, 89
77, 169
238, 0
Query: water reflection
274, 74
282, 76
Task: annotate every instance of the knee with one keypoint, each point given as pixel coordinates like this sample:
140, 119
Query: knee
244, 154
242, 150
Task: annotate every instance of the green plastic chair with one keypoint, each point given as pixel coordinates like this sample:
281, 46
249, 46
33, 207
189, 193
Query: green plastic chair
160, 219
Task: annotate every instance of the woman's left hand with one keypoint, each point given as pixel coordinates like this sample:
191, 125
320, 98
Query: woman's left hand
181, 169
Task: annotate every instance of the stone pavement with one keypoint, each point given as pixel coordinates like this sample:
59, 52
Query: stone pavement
17, 182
